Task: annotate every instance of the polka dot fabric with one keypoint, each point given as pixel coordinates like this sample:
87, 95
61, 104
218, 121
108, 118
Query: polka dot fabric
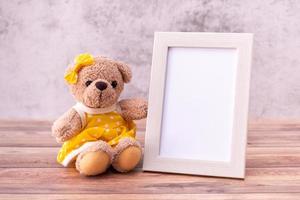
108, 127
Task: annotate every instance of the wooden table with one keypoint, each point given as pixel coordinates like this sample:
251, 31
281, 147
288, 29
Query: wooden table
28, 169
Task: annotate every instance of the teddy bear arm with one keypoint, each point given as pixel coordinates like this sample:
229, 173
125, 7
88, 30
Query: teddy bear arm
67, 126
133, 109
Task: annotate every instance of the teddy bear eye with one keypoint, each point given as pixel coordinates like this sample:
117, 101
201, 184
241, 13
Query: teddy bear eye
88, 83
114, 84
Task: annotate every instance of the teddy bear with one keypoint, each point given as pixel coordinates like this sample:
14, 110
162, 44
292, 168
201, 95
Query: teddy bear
99, 131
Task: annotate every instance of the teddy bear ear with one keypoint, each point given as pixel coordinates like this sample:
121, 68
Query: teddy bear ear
125, 71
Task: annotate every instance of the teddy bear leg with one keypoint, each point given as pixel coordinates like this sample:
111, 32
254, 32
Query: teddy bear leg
128, 153
95, 160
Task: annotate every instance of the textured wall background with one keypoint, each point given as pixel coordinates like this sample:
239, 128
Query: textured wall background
38, 39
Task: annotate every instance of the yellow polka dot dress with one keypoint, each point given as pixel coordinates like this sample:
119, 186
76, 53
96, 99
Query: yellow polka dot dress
109, 127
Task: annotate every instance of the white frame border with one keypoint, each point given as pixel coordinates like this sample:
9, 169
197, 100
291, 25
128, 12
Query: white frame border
162, 41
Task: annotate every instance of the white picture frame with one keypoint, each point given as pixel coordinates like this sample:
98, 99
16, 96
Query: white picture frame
198, 104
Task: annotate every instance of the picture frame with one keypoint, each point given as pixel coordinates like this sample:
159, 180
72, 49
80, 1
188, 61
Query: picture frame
198, 104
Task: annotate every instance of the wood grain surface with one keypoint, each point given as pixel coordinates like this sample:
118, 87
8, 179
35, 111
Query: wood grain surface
28, 169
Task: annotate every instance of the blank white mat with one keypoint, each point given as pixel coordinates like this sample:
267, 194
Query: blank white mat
199, 103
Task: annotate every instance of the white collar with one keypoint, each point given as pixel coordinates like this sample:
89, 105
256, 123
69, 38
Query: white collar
95, 111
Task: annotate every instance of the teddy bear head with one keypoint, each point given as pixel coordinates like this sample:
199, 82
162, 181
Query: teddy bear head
99, 82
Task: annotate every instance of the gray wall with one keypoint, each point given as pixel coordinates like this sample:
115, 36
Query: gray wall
39, 38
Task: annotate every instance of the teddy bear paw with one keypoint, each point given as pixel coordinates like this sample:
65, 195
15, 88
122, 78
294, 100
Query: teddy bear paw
61, 133
128, 155
95, 160
93, 163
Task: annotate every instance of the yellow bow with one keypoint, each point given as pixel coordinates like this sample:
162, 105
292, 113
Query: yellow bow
82, 60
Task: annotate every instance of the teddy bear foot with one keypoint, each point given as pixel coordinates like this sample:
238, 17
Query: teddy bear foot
128, 155
95, 160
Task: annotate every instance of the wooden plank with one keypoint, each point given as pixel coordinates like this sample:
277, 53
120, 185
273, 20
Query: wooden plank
58, 181
25, 123
40, 157
27, 138
273, 157
37, 138
274, 138
21, 157
274, 125
253, 196
27, 157
32, 138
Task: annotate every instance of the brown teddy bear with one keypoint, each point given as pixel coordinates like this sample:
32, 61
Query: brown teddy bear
99, 131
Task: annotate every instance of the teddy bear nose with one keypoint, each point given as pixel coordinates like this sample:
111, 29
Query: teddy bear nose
101, 85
